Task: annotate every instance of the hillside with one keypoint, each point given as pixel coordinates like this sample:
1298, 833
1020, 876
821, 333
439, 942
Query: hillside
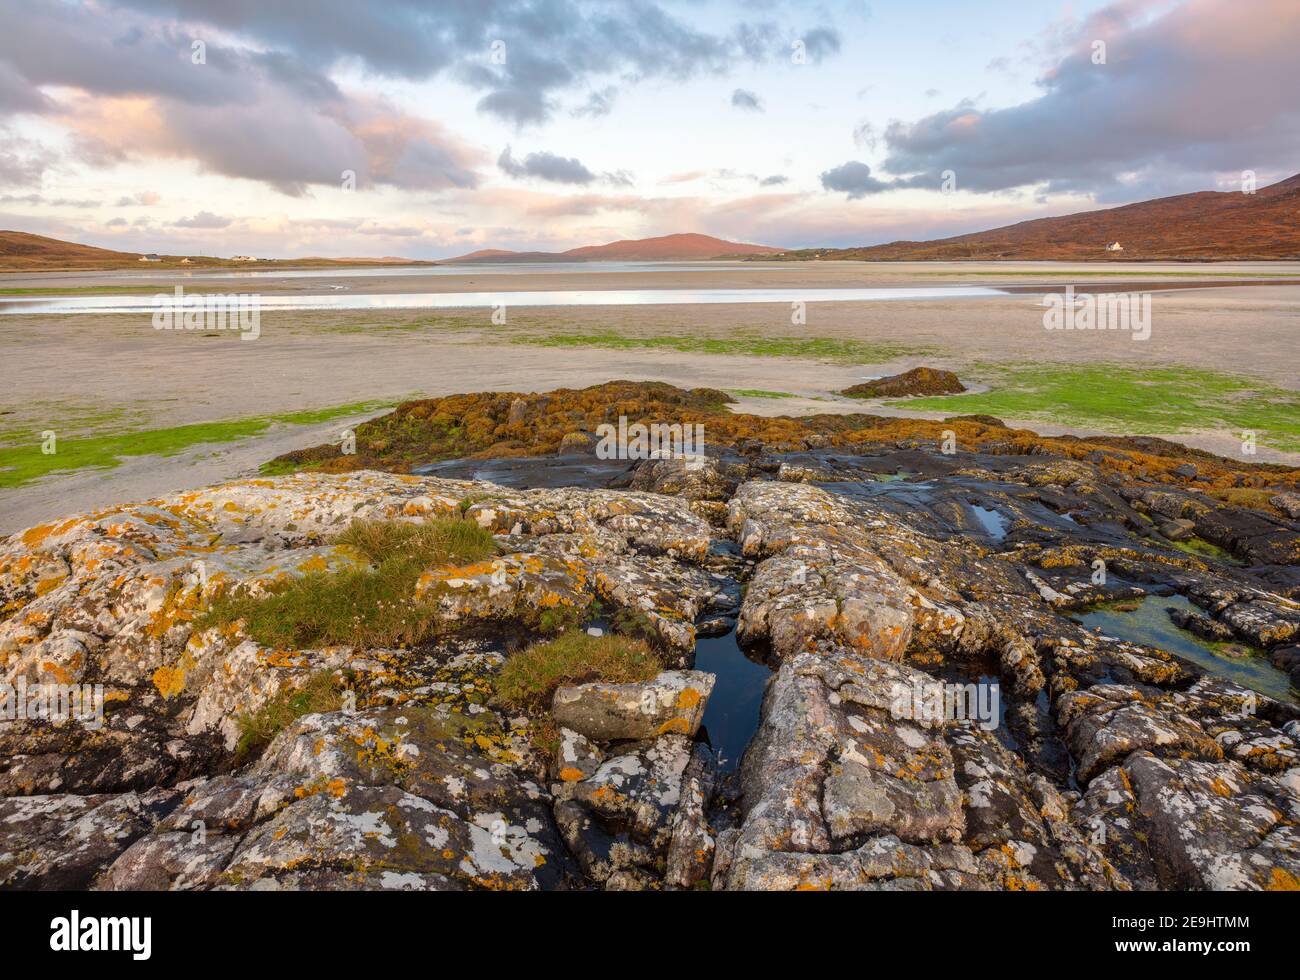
21, 251
1204, 225
663, 248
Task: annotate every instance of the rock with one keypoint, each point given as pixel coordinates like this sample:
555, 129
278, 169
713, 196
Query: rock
1194, 824
691, 847
1119, 767
1202, 626
1178, 530
1288, 659
639, 789
917, 381
1185, 470
577, 444
1288, 503
1107, 723
672, 702
577, 757
62, 842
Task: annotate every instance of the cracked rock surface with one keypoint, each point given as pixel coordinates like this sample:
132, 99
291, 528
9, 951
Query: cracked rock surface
866, 577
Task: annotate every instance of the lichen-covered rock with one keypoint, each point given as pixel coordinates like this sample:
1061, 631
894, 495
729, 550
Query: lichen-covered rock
672, 702
1188, 823
819, 583
1107, 723
1105, 762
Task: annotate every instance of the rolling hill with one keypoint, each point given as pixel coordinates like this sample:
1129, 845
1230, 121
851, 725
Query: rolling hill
664, 248
1204, 225
21, 251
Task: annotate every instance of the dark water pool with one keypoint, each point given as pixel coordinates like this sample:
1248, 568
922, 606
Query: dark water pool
731, 716
1150, 624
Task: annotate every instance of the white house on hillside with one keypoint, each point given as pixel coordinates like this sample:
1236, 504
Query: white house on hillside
1114, 247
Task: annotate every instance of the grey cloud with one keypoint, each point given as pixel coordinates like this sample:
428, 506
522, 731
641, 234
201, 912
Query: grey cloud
774, 181
744, 99
415, 40
598, 103
263, 116
821, 43
204, 219
546, 166
22, 162
39, 200
1211, 92
854, 179
139, 199
864, 135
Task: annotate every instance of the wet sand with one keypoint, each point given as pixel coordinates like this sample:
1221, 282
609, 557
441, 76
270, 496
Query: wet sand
55, 367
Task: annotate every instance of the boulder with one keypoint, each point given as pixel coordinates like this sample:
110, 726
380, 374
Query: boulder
672, 702
918, 381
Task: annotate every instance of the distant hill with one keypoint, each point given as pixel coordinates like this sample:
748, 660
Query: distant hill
21, 251
1205, 225
664, 248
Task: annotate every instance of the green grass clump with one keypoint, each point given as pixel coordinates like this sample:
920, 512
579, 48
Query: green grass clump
1155, 400
529, 678
1204, 549
322, 692
760, 393
371, 606
79, 290
810, 348
23, 462
442, 541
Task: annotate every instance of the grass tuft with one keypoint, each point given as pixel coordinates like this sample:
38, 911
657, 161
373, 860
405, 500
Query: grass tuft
373, 606
322, 692
530, 677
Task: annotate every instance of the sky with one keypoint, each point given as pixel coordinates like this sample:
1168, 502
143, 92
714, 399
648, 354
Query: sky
430, 128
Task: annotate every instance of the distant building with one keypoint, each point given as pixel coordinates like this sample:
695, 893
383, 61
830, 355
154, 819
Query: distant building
243, 258
151, 257
1114, 247
185, 261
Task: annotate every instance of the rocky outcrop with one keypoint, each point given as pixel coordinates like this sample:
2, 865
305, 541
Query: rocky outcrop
917, 381
938, 717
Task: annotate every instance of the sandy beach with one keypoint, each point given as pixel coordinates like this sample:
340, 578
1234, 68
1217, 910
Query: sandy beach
58, 369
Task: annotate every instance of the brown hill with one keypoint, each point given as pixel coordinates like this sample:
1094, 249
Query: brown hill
663, 248
21, 251
1205, 225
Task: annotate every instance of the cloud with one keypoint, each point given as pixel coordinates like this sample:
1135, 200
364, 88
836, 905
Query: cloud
140, 199
127, 88
598, 103
22, 162
38, 200
546, 166
1186, 91
744, 99
522, 54
821, 43
864, 135
854, 179
204, 220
